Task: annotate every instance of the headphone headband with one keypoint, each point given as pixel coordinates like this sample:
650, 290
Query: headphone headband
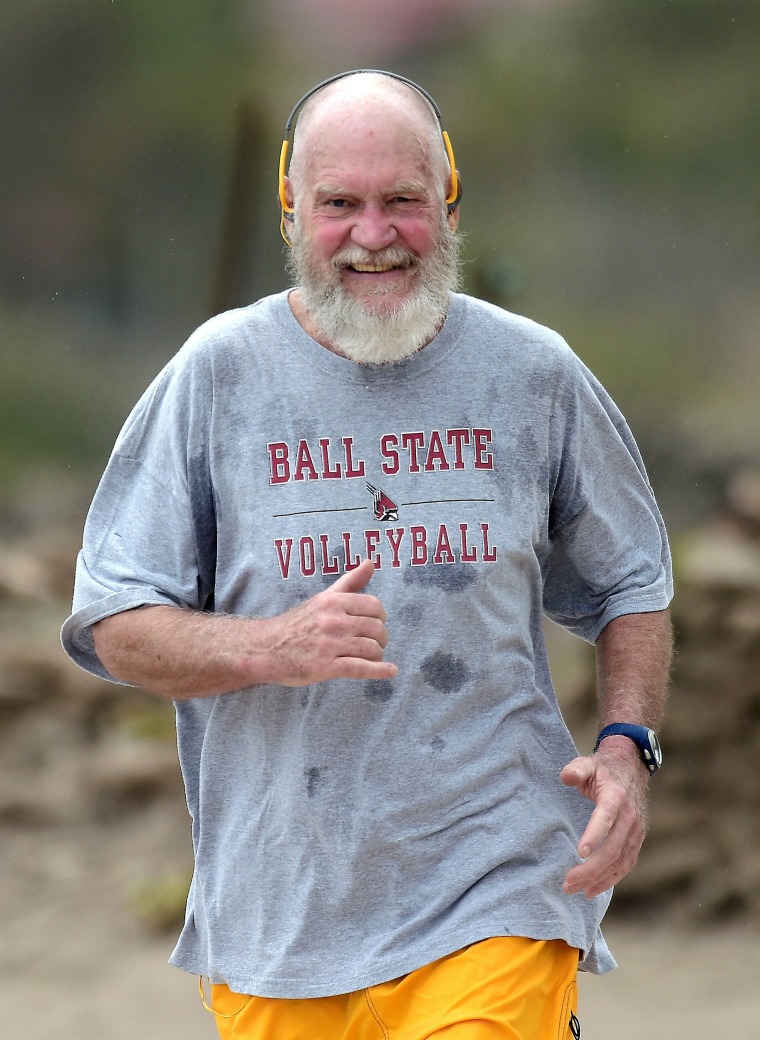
356, 72
452, 201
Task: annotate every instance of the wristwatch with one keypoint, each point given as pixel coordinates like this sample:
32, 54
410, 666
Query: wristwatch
644, 738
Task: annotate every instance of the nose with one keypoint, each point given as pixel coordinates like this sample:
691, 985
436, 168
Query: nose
373, 228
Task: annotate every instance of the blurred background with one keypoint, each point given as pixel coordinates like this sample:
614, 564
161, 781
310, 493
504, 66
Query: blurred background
610, 155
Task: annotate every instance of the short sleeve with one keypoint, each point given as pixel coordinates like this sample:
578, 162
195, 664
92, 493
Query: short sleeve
149, 538
609, 551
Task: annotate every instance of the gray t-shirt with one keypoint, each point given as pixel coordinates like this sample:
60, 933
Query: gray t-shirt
349, 832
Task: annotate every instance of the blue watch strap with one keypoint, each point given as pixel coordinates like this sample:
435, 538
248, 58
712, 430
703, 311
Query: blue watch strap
644, 738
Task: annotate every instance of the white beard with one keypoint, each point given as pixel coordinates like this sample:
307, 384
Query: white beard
378, 335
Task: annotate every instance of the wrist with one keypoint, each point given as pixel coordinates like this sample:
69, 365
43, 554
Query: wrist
643, 739
621, 747
256, 651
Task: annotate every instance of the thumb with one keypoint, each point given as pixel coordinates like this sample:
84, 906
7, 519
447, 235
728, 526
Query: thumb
577, 772
356, 579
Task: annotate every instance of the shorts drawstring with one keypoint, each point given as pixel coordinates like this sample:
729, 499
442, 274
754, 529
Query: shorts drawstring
218, 1014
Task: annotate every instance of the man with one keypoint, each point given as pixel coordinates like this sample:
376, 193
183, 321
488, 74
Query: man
329, 532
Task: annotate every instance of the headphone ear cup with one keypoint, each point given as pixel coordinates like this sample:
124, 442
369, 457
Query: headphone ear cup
286, 212
286, 215
452, 206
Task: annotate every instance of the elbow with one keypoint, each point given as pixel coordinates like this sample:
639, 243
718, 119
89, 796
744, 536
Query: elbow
108, 646
120, 648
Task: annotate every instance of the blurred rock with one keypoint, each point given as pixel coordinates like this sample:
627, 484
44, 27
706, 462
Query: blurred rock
126, 775
743, 495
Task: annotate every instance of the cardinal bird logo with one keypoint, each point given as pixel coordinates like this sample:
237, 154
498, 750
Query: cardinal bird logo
385, 508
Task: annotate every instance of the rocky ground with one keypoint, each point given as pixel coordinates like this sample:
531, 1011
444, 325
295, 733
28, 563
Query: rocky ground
95, 841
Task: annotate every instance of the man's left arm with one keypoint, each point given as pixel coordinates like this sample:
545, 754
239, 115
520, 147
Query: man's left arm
633, 656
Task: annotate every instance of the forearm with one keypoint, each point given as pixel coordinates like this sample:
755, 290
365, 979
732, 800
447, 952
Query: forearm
633, 656
179, 653
633, 662
339, 633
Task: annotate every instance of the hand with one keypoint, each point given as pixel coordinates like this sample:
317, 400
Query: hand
338, 634
615, 779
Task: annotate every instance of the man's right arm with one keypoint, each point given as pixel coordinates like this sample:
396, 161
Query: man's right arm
337, 634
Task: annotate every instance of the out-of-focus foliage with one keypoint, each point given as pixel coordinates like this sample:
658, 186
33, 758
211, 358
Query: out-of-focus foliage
610, 154
120, 117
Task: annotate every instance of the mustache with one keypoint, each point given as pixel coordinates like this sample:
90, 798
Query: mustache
393, 256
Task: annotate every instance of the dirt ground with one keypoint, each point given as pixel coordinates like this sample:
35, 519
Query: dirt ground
76, 960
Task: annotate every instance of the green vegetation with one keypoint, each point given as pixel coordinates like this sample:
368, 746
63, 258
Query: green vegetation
61, 400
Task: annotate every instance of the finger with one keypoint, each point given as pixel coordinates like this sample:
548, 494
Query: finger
578, 772
591, 888
363, 605
593, 884
366, 619
359, 668
373, 630
602, 863
356, 579
610, 862
614, 874
363, 648
599, 827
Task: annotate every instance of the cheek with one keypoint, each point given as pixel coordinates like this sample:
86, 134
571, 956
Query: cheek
326, 241
421, 236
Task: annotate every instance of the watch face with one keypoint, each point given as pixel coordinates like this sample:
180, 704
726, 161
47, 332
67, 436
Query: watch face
655, 745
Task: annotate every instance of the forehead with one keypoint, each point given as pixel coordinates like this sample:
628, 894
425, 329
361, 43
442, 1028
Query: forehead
358, 151
388, 132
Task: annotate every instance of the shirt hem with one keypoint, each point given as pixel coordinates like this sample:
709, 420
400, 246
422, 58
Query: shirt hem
594, 961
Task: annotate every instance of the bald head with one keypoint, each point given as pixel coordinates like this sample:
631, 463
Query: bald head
357, 103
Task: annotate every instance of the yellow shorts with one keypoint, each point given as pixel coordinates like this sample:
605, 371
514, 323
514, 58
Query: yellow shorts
505, 988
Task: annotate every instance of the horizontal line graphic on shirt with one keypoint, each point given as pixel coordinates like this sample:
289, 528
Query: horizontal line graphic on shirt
357, 509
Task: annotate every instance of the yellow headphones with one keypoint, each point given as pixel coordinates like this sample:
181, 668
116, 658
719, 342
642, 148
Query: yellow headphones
453, 198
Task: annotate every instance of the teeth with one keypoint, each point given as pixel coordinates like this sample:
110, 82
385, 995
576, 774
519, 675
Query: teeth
372, 268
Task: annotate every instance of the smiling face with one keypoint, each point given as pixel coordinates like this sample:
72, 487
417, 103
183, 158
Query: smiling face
374, 252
